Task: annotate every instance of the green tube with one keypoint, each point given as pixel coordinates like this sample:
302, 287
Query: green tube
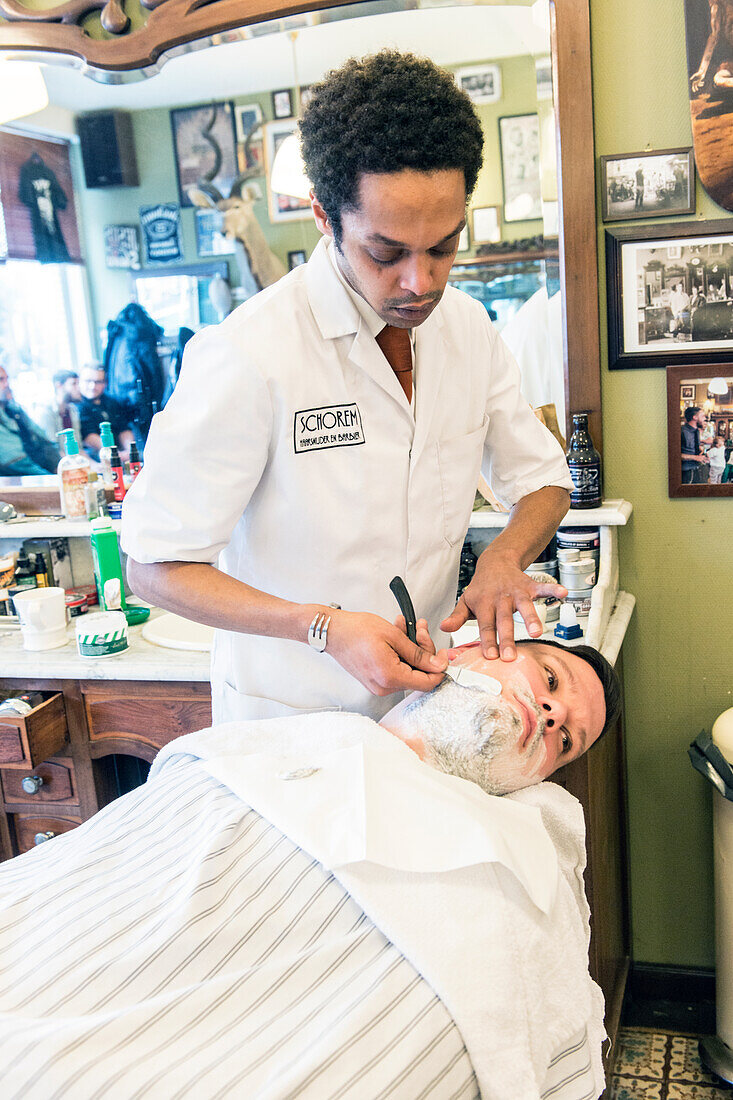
108, 570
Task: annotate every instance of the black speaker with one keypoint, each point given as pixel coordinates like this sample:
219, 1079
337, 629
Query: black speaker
107, 149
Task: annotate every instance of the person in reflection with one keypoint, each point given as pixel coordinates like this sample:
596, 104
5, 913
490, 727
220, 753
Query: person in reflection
63, 412
346, 402
24, 449
96, 405
693, 460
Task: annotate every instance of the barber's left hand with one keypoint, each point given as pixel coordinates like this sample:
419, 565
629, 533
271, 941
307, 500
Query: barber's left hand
497, 590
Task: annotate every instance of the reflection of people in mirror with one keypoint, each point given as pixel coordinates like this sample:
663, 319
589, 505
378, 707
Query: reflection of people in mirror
343, 405
693, 460
639, 188
716, 458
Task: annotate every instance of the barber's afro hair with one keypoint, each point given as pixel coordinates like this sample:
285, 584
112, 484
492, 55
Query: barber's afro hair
384, 113
605, 672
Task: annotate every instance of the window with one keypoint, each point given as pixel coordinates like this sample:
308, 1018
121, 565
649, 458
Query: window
44, 326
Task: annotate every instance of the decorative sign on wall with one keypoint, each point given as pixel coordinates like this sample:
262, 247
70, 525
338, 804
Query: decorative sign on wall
162, 231
709, 33
122, 246
210, 241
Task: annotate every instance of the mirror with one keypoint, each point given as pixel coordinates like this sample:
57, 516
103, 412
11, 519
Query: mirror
240, 94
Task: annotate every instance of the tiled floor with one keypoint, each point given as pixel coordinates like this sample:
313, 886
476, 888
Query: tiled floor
652, 1065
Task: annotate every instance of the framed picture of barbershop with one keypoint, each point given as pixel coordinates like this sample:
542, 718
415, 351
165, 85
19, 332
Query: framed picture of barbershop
670, 294
700, 449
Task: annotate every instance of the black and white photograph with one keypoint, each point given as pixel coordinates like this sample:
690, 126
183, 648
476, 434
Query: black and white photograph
282, 103
519, 137
648, 185
670, 294
486, 225
481, 83
204, 144
699, 411
296, 258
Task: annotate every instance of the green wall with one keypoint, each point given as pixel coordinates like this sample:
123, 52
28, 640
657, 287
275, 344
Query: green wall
676, 555
110, 290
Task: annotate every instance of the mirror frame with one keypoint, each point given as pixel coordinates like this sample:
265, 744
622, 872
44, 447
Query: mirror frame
173, 23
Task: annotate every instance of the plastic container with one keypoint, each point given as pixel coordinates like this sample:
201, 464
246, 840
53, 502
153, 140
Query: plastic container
585, 539
102, 634
108, 571
73, 471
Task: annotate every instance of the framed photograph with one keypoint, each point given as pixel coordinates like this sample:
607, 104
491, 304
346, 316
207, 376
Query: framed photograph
481, 83
486, 227
210, 241
648, 185
282, 208
663, 310
250, 140
296, 258
122, 247
687, 393
700, 463
306, 94
519, 137
204, 144
282, 103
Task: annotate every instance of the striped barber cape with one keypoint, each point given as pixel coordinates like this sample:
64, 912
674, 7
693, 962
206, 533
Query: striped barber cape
178, 944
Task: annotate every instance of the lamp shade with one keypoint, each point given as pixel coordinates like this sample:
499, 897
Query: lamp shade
22, 89
288, 173
718, 386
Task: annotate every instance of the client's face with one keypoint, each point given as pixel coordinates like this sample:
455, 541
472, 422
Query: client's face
550, 710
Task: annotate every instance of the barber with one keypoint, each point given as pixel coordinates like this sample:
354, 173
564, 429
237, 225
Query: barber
314, 454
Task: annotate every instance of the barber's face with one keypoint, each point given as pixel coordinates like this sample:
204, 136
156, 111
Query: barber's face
398, 245
551, 709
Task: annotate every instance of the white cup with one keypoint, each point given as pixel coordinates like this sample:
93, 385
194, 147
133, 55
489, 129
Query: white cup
42, 614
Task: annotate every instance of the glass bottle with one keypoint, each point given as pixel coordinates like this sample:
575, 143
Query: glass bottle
585, 465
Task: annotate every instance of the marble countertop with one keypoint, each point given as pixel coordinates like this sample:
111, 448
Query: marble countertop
142, 661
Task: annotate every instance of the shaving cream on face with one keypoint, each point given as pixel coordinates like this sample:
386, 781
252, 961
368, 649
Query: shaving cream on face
471, 734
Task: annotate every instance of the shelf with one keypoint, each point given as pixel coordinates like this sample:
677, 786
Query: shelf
49, 527
612, 513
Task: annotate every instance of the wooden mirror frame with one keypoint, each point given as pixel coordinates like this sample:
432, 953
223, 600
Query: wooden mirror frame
172, 23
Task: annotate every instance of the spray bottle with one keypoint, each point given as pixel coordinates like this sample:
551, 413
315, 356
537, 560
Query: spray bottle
105, 453
73, 473
108, 572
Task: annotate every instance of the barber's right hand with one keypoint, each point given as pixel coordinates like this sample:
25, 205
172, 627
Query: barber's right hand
381, 656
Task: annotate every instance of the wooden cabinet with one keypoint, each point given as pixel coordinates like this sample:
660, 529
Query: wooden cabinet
53, 772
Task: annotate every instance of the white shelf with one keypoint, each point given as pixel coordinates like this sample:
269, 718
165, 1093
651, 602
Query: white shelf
612, 513
49, 527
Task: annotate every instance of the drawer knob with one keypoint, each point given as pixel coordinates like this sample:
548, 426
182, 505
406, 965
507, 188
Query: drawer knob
39, 838
32, 784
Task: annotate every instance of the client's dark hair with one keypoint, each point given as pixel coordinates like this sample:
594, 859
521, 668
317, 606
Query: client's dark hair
692, 411
605, 672
384, 113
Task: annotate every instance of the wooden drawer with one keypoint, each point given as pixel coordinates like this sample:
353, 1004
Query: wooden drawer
28, 827
148, 720
58, 785
29, 740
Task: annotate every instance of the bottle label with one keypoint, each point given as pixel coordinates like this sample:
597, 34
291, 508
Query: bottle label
135, 468
119, 484
586, 484
73, 487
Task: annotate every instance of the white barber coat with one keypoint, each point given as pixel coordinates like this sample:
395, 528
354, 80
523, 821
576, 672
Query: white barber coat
289, 456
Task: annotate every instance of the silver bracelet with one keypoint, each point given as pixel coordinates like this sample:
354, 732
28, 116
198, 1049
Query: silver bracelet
318, 631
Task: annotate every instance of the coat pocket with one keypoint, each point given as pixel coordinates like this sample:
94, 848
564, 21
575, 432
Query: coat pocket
459, 464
